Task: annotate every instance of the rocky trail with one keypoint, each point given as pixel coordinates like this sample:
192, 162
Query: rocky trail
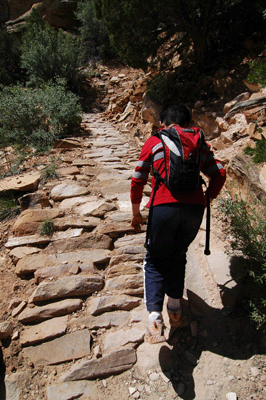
73, 318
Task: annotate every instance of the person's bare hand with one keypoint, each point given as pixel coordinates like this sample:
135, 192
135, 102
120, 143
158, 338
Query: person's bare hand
136, 222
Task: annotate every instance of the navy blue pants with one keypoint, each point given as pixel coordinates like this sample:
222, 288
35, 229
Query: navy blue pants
173, 227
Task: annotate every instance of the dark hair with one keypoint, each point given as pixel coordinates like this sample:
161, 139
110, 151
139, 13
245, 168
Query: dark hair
175, 114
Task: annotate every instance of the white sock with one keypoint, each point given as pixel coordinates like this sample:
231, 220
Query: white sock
173, 304
155, 316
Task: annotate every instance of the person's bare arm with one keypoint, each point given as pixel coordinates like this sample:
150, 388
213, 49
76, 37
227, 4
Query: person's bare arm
137, 219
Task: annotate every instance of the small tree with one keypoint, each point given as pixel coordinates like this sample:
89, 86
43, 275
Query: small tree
48, 53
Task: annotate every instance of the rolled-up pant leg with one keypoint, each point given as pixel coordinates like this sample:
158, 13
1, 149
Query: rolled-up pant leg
173, 228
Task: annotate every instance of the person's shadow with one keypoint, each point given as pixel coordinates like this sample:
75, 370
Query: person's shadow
227, 332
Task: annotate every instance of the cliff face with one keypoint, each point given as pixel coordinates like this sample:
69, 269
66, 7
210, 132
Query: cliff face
59, 13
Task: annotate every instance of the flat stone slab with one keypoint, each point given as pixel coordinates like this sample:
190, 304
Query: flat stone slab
82, 163
24, 182
45, 330
19, 252
99, 305
74, 222
69, 347
115, 187
95, 208
67, 190
41, 313
68, 286
113, 228
68, 204
126, 336
73, 170
63, 270
31, 263
26, 240
132, 240
96, 154
106, 320
120, 217
113, 363
124, 258
37, 239
130, 284
87, 241
73, 390
126, 268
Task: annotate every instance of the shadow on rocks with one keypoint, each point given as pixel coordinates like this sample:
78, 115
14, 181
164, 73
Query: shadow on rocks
2, 377
225, 332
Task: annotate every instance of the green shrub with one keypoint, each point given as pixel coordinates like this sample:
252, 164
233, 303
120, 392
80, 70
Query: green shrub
9, 206
257, 73
47, 228
248, 233
259, 153
36, 117
47, 54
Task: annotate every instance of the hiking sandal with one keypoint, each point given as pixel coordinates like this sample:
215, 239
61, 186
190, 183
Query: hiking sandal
154, 333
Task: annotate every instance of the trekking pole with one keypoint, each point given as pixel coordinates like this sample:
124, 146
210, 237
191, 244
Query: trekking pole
208, 225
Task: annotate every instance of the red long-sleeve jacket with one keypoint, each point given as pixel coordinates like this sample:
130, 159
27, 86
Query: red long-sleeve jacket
152, 152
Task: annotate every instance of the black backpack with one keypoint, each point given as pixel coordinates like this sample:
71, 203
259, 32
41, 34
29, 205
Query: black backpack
181, 175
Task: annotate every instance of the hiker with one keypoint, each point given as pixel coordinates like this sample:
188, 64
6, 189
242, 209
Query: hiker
175, 219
